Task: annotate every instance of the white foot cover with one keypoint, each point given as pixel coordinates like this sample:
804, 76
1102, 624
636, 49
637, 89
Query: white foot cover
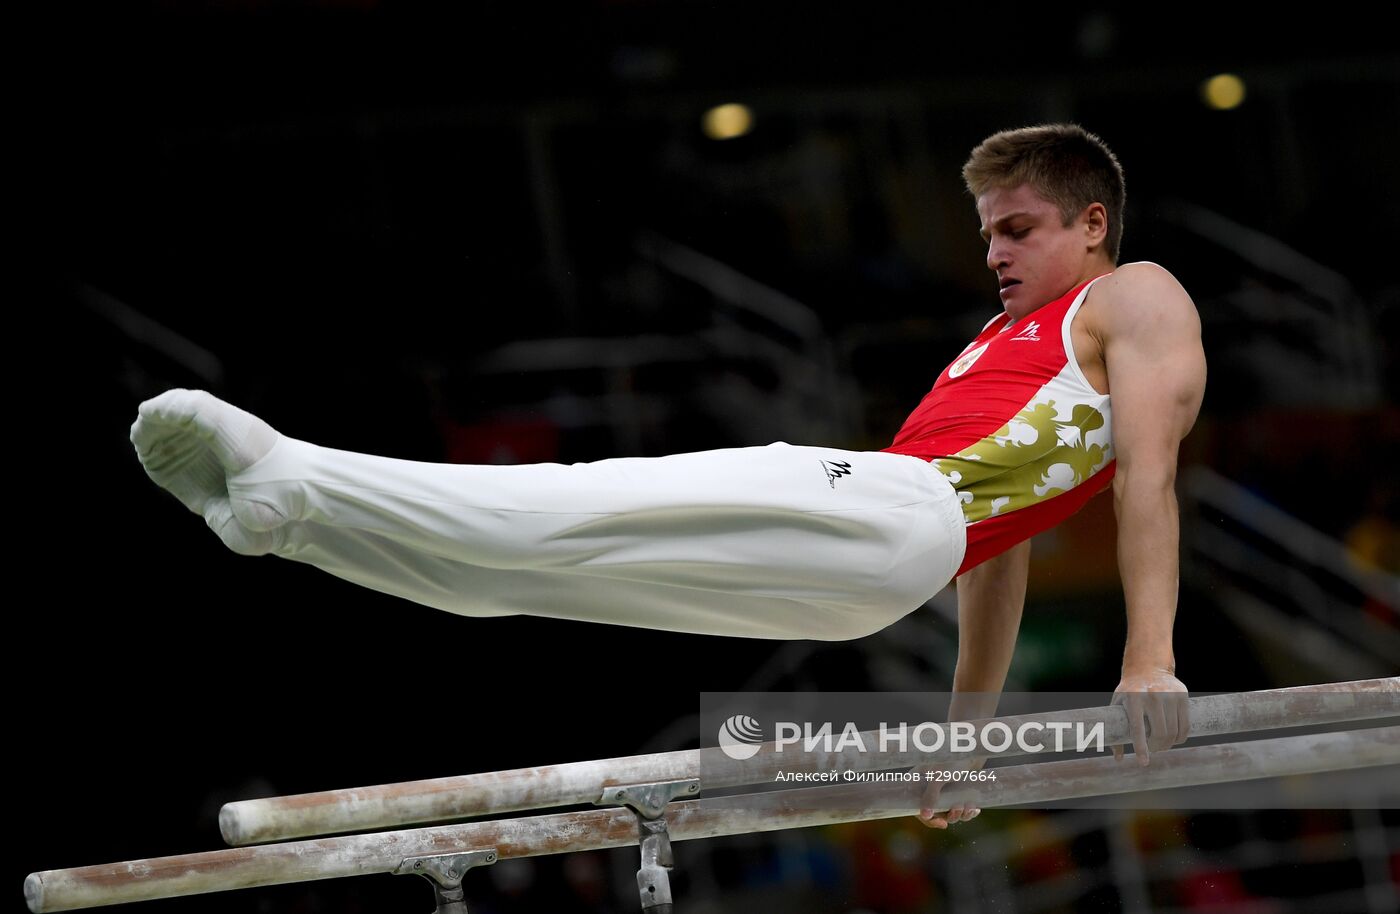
189, 442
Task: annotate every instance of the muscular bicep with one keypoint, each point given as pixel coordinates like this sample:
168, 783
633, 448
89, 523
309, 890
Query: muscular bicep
1156, 367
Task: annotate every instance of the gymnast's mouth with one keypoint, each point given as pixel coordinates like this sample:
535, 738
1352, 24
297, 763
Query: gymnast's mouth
1007, 283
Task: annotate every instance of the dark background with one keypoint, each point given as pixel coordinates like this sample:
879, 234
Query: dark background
338, 214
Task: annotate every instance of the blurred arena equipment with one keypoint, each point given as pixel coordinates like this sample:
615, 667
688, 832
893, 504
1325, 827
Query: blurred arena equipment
1314, 612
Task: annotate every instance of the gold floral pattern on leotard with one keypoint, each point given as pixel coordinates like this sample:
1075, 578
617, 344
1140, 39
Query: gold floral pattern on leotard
1038, 454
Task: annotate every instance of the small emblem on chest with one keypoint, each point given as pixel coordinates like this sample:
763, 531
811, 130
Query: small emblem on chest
964, 362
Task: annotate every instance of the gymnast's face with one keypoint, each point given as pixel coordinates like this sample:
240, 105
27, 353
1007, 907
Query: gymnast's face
1037, 258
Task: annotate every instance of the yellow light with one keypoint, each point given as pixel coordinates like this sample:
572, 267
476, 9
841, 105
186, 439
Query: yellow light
725, 122
1223, 92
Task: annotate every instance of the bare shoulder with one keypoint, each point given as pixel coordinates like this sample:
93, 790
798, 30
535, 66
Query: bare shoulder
1141, 298
1151, 337
1144, 285
1142, 275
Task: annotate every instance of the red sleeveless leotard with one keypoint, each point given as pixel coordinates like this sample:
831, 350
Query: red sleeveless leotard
1016, 428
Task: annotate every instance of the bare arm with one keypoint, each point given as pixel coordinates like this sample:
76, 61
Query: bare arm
990, 600
1151, 337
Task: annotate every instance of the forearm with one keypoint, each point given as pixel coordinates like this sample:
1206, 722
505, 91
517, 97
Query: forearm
991, 598
1148, 560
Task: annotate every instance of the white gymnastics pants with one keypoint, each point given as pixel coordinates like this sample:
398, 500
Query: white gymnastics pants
781, 541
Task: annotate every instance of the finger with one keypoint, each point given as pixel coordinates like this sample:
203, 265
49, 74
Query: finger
929, 801
1173, 707
1169, 733
928, 808
1183, 717
1117, 749
1139, 728
967, 812
1157, 713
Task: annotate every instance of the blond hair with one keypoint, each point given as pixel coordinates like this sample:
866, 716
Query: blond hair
1064, 163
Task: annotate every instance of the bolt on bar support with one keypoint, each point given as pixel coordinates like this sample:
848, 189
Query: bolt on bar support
446, 872
648, 802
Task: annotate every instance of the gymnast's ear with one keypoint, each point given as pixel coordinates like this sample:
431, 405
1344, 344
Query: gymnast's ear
1094, 218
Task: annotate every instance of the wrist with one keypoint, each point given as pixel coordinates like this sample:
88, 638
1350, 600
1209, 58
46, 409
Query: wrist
1148, 668
973, 705
1153, 657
